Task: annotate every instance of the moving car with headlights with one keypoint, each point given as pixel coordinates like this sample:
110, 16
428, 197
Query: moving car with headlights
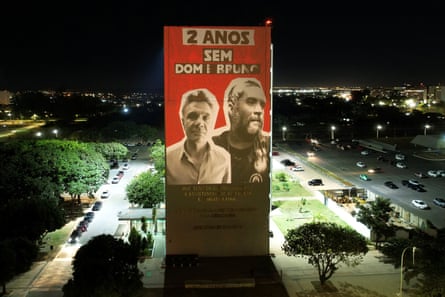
364, 177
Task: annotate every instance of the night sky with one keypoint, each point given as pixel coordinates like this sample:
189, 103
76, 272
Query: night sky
118, 45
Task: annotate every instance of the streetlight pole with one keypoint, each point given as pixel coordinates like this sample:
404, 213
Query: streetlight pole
426, 127
283, 135
332, 133
55, 131
378, 129
401, 268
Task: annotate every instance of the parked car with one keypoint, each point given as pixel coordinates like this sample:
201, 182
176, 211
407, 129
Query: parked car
315, 182
287, 162
381, 158
75, 236
364, 153
126, 166
414, 182
433, 173
420, 175
439, 202
419, 204
297, 168
400, 157
105, 194
97, 206
89, 216
115, 179
391, 185
361, 164
401, 165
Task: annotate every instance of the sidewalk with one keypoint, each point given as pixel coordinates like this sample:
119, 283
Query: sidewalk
371, 278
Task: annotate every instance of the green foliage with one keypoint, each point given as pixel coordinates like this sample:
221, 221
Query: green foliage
428, 266
325, 246
146, 190
144, 224
376, 215
16, 256
282, 187
111, 150
105, 266
281, 176
157, 153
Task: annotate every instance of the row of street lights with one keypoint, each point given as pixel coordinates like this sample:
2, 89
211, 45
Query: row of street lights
378, 128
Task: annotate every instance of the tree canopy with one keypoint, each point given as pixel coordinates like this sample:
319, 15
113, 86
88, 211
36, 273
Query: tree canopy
104, 267
326, 246
376, 215
146, 190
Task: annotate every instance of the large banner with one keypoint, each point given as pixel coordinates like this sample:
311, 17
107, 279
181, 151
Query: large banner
217, 137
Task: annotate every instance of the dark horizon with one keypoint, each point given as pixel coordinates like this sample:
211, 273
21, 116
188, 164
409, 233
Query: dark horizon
120, 46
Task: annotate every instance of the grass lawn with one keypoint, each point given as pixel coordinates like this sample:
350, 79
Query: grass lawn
290, 214
284, 186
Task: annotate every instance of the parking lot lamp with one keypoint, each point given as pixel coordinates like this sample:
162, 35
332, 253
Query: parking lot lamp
426, 128
401, 268
283, 135
332, 132
379, 127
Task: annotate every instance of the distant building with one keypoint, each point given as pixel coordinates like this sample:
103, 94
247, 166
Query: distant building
436, 93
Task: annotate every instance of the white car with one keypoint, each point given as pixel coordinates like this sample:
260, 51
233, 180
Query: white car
361, 164
400, 157
297, 168
105, 194
400, 165
419, 204
433, 173
364, 153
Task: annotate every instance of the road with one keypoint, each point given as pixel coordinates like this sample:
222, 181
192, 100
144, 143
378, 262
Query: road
343, 164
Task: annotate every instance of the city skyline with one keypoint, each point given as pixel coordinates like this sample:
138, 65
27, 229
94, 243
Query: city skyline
120, 46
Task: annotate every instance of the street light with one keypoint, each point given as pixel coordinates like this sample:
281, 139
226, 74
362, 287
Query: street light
332, 132
426, 127
283, 130
55, 131
378, 129
401, 268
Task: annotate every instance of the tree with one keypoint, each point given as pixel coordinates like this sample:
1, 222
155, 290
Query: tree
428, 267
147, 190
157, 153
325, 245
376, 215
105, 266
